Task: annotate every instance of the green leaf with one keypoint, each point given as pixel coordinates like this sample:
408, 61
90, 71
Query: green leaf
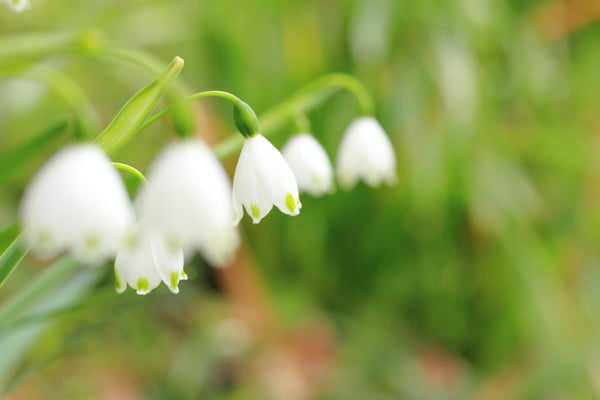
54, 274
11, 257
14, 160
16, 342
131, 117
8, 234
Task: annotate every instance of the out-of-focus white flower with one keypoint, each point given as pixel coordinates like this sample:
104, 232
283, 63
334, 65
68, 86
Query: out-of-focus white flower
263, 179
17, 5
309, 163
188, 200
365, 153
76, 202
144, 259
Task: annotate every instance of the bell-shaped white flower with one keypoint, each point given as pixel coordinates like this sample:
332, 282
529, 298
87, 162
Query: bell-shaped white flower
263, 179
188, 200
17, 5
310, 164
145, 259
76, 202
365, 153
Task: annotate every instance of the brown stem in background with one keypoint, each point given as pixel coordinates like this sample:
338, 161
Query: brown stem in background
559, 18
288, 365
244, 288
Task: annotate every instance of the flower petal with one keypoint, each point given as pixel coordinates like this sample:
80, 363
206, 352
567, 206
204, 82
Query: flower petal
365, 153
310, 164
263, 179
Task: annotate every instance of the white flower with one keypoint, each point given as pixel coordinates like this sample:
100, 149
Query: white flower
263, 179
144, 259
17, 5
188, 201
365, 152
309, 163
76, 202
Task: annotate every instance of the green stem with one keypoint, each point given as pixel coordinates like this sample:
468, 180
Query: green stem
244, 117
52, 276
209, 93
304, 100
17, 48
130, 170
317, 91
301, 122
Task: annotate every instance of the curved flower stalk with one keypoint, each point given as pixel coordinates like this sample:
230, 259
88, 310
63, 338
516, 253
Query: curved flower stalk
188, 201
263, 179
145, 259
17, 5
76, 202
310, 164
365, 153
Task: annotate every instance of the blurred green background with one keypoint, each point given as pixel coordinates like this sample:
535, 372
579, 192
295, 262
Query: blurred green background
476, 277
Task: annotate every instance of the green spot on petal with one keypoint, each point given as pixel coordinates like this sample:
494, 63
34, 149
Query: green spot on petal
173, 245
255, 212
131, 240
92, 242
143, 285
174, 279
290, 203
118, 282
44, 238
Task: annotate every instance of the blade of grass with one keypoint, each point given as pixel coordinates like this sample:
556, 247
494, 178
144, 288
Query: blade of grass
14, 160
11, 258
16, 342
52, 276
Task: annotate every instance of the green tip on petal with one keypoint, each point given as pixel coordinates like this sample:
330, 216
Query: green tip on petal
183, 276
118, 283
92, 242
45, 240
142, 286
174, 281
131, 241
290, 203
255, 212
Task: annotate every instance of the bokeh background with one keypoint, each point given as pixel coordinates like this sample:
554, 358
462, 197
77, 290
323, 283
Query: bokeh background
476, 277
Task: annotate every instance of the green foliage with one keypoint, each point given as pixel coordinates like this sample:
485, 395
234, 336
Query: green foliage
477, 275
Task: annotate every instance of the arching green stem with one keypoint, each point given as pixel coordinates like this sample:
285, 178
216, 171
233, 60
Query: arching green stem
317, 91
305, 100
251, 122
301, 122
131, 171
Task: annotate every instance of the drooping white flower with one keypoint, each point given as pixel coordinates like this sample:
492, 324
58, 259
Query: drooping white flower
263, 179
144, 259
365, 153
17, 5
309, 163
188, 200
76, 202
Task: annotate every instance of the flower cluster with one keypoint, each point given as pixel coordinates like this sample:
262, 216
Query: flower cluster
77, 202
365, 153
